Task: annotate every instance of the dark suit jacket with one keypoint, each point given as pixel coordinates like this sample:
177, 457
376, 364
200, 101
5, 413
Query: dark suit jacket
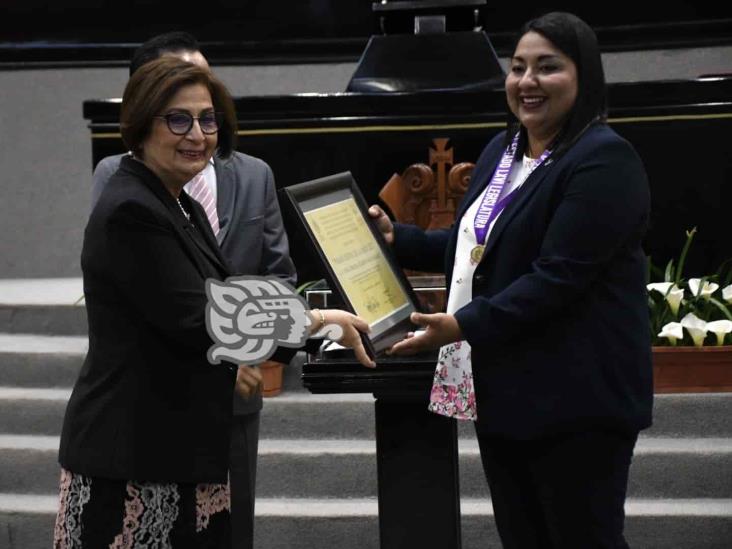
252, 235
558, 323
147, 405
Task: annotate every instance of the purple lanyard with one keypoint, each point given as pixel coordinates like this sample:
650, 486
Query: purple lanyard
492, 203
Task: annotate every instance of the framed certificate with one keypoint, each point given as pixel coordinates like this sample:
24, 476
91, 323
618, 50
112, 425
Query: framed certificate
358, 261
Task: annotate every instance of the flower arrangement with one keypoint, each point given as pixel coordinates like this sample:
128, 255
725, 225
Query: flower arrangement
694, 311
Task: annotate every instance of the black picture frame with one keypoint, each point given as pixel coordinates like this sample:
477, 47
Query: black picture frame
325, 191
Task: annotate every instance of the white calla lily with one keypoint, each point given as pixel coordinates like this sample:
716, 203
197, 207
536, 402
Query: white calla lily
660, 287
672, 331
671, 292
704, 290
720, 328
727, 293
696, 327
674, 298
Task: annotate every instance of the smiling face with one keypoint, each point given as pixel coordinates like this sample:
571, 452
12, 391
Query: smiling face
541, 88
175, 159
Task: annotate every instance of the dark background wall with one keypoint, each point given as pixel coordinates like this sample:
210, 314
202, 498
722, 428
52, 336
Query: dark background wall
45, 150
104, 32
55, 55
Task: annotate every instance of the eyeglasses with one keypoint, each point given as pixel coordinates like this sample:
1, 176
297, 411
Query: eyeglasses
180, 123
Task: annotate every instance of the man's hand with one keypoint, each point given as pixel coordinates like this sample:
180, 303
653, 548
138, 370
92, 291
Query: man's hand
440, 329
248, 380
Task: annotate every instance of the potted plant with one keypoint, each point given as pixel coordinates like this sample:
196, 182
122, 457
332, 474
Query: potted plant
691, 328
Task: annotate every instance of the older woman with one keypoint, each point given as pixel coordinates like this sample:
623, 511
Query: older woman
145, 441
547, 308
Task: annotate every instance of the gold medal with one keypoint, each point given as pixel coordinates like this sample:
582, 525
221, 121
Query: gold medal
476, 253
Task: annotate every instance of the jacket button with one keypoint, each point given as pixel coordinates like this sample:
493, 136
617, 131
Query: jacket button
479, 279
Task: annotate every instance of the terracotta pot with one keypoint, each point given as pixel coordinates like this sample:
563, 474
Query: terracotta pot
271, 378
692, 369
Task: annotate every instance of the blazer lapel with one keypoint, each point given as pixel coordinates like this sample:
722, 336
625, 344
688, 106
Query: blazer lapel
225, 196
481, 179
203, 240
522, 196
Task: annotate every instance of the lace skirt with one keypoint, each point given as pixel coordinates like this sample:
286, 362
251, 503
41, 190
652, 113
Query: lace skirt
97, 512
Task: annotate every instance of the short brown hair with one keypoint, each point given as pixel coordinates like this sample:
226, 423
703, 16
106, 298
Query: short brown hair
152, 87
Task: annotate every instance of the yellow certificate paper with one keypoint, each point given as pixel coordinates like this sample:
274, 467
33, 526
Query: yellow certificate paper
356, 260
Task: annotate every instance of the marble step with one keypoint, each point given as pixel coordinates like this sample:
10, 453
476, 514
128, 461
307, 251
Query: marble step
37, 360
662, 468
32, 360
298, 414
43, 306
336, 523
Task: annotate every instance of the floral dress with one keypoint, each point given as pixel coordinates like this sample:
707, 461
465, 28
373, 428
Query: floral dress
118, 514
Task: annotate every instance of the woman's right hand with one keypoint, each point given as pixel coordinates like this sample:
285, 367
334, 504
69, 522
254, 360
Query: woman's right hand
383, 223
344, 328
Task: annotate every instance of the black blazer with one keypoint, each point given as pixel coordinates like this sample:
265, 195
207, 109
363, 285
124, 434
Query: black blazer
558, 324
252, 236
147, 405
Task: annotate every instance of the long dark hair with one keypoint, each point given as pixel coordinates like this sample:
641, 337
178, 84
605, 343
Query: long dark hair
573, 37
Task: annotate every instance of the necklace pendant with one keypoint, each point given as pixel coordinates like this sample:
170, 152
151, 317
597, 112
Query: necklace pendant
476, 254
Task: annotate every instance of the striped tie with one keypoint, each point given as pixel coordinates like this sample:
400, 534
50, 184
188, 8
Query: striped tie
200, 192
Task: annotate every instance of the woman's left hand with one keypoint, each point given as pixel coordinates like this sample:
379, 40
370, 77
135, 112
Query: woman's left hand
440, 329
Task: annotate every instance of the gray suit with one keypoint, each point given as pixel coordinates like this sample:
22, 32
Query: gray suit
253, 240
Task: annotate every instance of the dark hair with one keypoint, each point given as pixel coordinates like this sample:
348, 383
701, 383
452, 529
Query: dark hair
573, 37
157, 46
152, 87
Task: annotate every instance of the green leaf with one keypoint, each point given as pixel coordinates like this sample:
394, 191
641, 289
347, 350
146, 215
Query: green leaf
669, 274
305, 285
689, 237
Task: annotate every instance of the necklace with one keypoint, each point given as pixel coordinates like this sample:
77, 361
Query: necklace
185, 213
